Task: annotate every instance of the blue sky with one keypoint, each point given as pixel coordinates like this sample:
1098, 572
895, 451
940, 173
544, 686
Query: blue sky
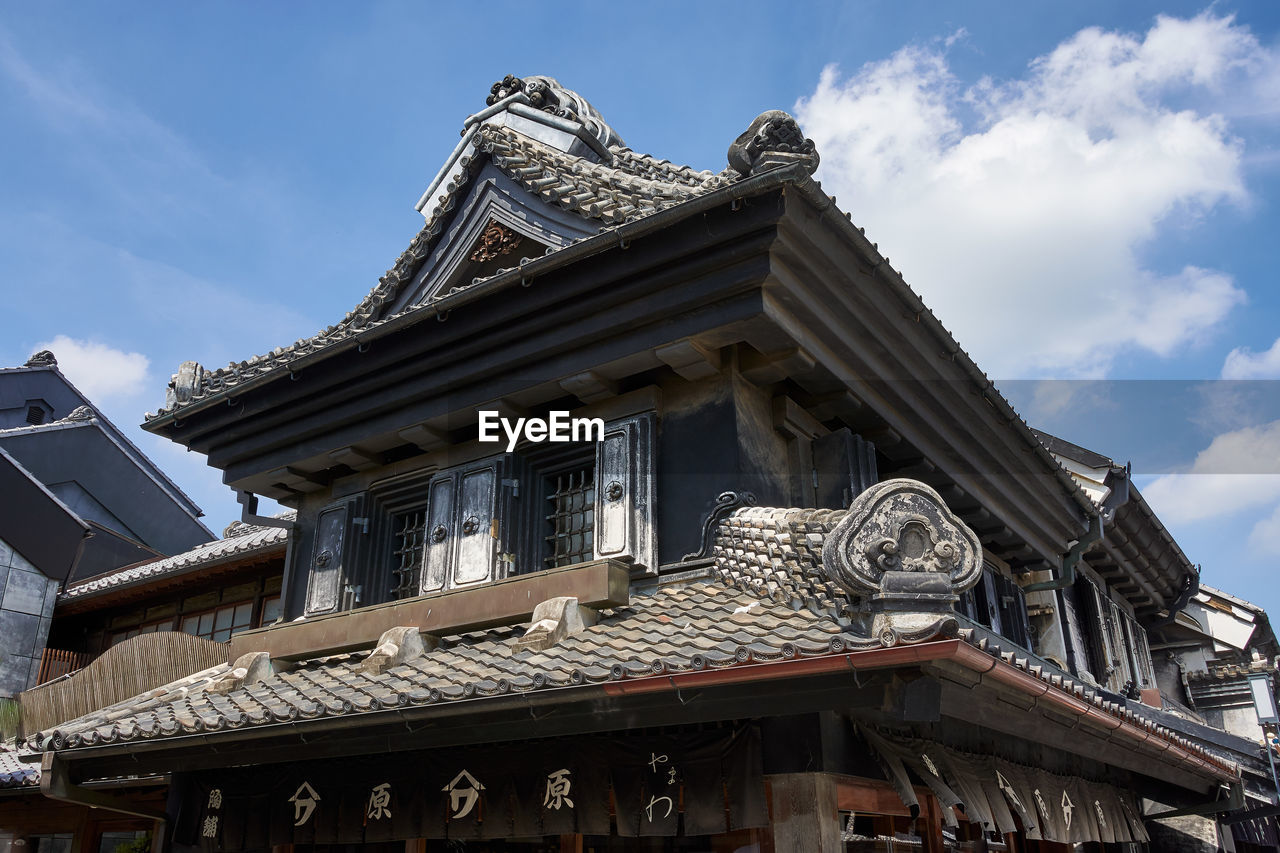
1086, 194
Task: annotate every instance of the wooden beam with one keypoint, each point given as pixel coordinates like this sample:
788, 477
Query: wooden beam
423, 437
355, 458
767, 368
690, 359
602, 583
805, 812
590, 386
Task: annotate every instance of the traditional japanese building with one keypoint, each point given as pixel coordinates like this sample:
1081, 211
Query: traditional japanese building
642, 508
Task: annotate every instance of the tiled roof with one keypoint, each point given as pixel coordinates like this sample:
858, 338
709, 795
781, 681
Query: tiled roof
81, 416
241, 540
777, 554
16, 773
687, 629
631, 186
684, 629
1232, 671
783, 609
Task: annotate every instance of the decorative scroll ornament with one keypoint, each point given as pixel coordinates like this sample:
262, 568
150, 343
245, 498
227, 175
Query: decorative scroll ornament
496, 240
901, 546
773, 139
725, 503
546, 94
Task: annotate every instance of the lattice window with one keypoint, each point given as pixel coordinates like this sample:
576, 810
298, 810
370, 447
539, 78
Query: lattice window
409, 530
35, 415
571, 497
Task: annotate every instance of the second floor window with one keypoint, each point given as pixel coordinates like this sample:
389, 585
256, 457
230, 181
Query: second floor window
540, 507
570, 518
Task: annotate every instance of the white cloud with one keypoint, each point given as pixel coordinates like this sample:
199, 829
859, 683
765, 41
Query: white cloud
103, 373
1264, 539
1023, 232
1239, 470
1244, 363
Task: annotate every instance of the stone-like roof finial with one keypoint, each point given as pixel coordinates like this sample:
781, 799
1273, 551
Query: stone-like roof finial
546, 94
44, 358
773, 139
184, 384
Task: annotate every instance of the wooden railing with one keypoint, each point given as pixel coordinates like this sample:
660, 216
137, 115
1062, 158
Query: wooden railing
58, 662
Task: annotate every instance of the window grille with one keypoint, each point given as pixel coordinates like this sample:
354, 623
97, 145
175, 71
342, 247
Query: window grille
571, 496
35, 415
409, 529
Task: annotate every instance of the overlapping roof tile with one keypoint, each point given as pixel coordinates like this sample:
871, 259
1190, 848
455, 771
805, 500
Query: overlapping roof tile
683, 629
240, 541
16, 773
630, 186
697, 627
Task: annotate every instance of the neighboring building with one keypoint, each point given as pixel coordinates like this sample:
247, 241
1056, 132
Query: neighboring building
802, 580
1205, 656
77, 499
40, 542
54, 431
127, 632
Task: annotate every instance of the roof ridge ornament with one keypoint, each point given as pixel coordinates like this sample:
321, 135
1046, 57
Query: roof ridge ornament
904, 549
44, 358
548, 95
774, 139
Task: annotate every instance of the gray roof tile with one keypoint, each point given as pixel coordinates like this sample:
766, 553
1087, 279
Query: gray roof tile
241, 540
16, 773
773, 606
631, 186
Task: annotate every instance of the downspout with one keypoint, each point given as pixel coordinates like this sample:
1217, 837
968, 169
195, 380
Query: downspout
249, 512
1117, 481
249, 515
1190, 586
1067, 574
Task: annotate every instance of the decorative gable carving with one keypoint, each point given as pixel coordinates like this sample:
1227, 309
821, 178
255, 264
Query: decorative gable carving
494, 227
496, 240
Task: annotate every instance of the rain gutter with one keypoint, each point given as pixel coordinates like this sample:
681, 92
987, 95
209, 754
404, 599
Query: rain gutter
56, 784
957, 652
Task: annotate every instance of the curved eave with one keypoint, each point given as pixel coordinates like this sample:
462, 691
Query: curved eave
1142, 559
793, 176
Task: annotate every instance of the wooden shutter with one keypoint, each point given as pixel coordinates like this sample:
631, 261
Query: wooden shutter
463, 526
477, 524
844, 466
327, 574
991, 591
623, 524
440, 533
1013, 612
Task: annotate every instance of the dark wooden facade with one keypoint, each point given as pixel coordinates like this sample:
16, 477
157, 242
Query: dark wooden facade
746, 345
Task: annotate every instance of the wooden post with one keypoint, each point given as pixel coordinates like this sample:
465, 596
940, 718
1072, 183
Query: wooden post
930, 823
805, 815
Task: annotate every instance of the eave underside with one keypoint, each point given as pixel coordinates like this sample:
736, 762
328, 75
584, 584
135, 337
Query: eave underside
766, 273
